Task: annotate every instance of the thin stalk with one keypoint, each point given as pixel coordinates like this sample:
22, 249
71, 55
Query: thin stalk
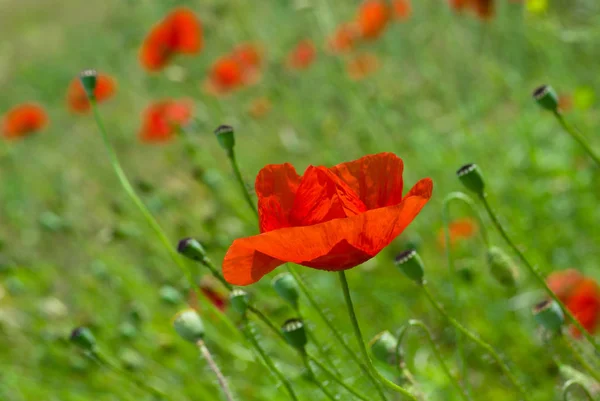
467, 333
593, 372
575, 134
314, 379
240, 180
320, 348
337, 379
109, 363
570, 385
361, 343
267, 360
130, 191
336, 333
536, 273
436, 353
215, 369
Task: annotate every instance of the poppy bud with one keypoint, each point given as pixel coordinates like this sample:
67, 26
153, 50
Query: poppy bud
287, 288
502, 267
88, 80
239, 300
383, 347
226, 137
546, 97
83, 338
411, 264
295, 334
191, 249
471, 177
189, 326
170, 295
549, 315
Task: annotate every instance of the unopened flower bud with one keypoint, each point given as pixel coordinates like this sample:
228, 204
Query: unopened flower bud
239, 300
411, 264
226, 137
383, 347
170, 295
83, 338
191, 249
549, 315
471, 177
189, 326
287, 288
502, 267
546, 97
88, 80
295, 334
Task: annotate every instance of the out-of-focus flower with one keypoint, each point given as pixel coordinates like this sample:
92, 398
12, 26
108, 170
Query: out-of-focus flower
302, 55
459, 229
562, 283
401, 9
361, 66
161, 120
373, 17
328, 219
210, 289
180, 32
23, 120
235, 70
77, 99
345, 38
259, 107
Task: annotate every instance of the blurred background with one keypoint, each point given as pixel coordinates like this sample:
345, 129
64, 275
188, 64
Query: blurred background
439, 87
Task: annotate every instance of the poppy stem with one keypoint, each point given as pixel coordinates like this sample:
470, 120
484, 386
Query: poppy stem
130, 191
266, 359
361, 342
570, 385
536, 273
575, 134
103, 360
314, 379
313, 338
305, 290
215, 369
473, 337
238, 176
337, 379
419, 324
592, 371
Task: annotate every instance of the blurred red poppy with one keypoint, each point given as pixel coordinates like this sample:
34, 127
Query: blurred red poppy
373, 18
344, 38
77, 99
302, 56
401, 9
361, 66
248, 55
459, 229
562, 283
328, 219
179, 32
584, 304
215, 296
23, 120
162, 119
239, 68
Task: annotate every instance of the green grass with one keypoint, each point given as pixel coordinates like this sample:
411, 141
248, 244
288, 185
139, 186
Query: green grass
450, 90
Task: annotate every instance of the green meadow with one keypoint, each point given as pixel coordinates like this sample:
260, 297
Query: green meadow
450, 90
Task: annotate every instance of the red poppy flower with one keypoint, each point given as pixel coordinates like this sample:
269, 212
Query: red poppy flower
302, 56
344, 38
225, 75
23, 120
373, 17
178, 32
216, 297
459, 229
402, 9
562, 283
248, 56
361, 66
162, 119
584, 304
328, 219
77, 99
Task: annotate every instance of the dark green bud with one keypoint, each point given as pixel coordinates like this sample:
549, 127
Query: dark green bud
295, 334
88, 80
287, 288
549, 315
411, 264
502, 267
239, 300
191, 249
471, 177
83, 338
226, 137
546, 97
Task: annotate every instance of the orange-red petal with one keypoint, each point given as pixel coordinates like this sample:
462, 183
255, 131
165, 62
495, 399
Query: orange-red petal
157, 49
402, 9
161, 120
186, 30
337, 244
344, 38
302, 56
77, 99
276, 186
584, 304
23, 120
562, 283
373, 17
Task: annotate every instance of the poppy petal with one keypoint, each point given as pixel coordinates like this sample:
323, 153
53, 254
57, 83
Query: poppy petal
376, 179
276, 186
23, 120
334, 245
156, 51
187, 31
585, 305
562, 283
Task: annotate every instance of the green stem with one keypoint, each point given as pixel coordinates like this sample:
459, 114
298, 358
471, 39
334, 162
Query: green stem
267, 360
215, 369
536, 273
488, 348
337, 379
104, 360
572, 384
581, 359
314, 379
575, 134
320, 348
436, 353
240, 180
335, 332
361, 343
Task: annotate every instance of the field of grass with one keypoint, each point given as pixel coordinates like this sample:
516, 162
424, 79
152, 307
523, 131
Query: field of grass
450, 90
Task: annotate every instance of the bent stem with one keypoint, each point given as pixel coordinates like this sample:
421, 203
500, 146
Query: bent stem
436, 353
570, 385
536, 273
361, 343
575, 134
215, 369
467, 333
314, 379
